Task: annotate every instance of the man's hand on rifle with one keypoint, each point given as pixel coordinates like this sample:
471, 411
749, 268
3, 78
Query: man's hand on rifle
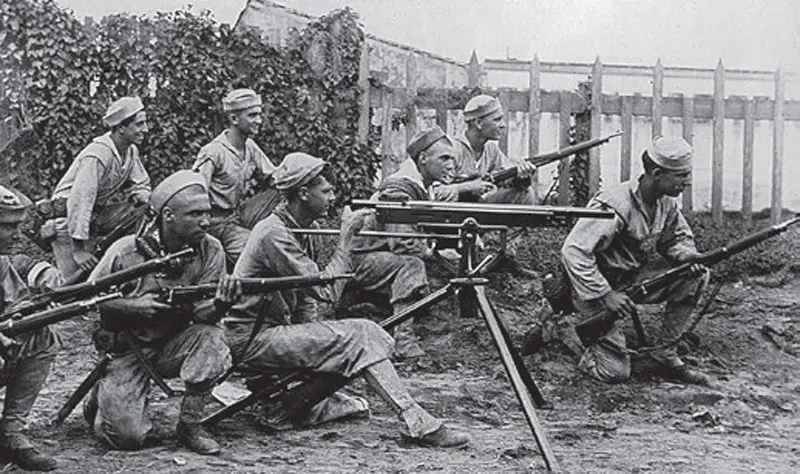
696, 269
525, 169
618, 303
139, 197
85, 260
147, 306
229, 290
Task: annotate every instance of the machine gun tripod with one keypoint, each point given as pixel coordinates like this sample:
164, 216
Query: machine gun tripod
289, 394
470, 286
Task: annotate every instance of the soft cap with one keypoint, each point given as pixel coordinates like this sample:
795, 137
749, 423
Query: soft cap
12, 206
122, 109
424, 140
297, 169
172, 185
482, 106
672, 153
240, 99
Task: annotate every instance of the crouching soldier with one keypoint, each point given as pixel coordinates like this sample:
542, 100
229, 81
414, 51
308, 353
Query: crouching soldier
173, 341
603, 256
395, 265
291, 336
26, 361
101, 186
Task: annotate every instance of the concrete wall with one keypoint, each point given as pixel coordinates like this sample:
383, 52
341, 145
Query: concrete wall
387, 59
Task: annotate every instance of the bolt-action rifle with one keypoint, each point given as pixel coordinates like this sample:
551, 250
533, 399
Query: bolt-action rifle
70, 293
17, 325
538, 160
192, 293
594, 327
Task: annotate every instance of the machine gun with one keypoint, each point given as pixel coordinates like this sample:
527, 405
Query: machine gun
538, 160
432, 214
193, 293
70, 293
594, 327
296, 392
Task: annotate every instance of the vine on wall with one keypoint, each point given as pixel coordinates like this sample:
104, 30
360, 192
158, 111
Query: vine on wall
65, 73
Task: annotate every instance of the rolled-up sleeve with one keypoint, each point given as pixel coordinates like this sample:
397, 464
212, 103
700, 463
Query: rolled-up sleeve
140, 181
205, 164
82, 197
678, 239
578, 255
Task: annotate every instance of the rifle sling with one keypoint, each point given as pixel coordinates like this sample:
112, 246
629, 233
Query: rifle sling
257, 325
151, 372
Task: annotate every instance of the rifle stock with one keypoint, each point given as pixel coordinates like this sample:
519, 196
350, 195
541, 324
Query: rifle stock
597, 325
87, 384
78, 291
539, 160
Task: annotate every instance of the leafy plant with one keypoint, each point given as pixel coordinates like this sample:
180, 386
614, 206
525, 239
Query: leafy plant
65, 73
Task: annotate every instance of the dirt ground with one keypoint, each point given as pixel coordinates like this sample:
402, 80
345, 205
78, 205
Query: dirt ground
747, 422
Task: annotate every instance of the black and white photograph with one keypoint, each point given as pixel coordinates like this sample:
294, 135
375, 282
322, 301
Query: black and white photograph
399, 236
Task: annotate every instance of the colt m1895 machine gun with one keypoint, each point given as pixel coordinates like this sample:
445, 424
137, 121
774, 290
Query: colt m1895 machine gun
297, 393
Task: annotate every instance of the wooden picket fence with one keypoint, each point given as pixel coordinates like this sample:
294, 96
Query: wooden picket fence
688, 109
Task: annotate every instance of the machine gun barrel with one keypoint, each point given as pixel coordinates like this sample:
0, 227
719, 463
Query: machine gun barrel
510, 215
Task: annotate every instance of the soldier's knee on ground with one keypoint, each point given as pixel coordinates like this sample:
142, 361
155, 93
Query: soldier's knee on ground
607, 360
123, 437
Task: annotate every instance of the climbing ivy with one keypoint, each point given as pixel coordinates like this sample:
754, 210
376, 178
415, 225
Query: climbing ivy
64, 73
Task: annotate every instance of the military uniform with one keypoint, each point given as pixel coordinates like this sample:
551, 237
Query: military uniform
97, 185
601, 255
228, 172
492, 159
182, 342
292, 336
27, 364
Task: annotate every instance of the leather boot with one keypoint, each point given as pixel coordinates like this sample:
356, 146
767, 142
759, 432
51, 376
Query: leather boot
189, 430
28, 458
682, 373
445, 437
406, 344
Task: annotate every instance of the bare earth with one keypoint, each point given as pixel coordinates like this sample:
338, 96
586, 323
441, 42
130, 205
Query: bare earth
747, 423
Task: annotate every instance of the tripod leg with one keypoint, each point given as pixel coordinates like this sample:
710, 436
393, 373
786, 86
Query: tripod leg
520, 388
524, 373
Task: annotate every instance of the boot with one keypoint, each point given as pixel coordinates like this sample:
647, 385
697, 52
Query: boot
28, 458
682, 373
190, 432
406, 345
195, 437
24, 383
445, 437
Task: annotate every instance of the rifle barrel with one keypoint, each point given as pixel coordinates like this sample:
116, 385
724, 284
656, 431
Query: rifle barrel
254, 285
89, 288
545, 158
17, 325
